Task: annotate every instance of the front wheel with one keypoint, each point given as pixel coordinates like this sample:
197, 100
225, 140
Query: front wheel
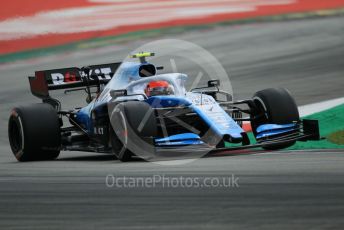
275, 106
119, 139
131, 123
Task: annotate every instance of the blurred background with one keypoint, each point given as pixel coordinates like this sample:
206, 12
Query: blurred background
295, 44
32, 24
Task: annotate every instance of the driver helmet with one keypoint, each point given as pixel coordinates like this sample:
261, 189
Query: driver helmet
156, 88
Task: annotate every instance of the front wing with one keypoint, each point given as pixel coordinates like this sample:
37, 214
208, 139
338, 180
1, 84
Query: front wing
307, 130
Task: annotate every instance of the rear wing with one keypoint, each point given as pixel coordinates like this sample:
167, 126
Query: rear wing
55, 79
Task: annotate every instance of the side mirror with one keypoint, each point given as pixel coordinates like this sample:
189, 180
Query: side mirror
213, 83
86, 70
118, 93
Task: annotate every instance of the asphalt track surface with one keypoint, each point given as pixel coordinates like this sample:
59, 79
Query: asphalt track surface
277, 190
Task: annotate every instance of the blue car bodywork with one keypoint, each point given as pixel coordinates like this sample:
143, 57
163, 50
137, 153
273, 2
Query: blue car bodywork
205, 106
208, 122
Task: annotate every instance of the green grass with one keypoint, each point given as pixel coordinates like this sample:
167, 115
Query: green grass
331, 124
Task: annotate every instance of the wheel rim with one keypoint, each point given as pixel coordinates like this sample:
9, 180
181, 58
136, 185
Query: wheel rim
261, 107
119, 140
16, 136
125, 130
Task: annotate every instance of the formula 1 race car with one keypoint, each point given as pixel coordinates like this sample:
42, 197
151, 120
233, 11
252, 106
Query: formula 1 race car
133, 111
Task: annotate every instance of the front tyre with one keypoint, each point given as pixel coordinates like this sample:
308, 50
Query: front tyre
34, 132
131, 123
275, 106
119, 139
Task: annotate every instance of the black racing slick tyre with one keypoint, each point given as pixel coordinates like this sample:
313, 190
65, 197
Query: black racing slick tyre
277, 107
34, 132
131, 121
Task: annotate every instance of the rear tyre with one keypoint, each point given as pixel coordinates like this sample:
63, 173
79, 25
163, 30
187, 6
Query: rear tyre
34, 132
131, 121
278, 107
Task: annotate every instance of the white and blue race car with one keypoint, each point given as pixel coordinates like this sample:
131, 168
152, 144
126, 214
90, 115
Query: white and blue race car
133, 111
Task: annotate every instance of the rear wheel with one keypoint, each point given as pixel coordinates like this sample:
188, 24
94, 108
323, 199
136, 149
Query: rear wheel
277, 107
34, 132
130, 122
